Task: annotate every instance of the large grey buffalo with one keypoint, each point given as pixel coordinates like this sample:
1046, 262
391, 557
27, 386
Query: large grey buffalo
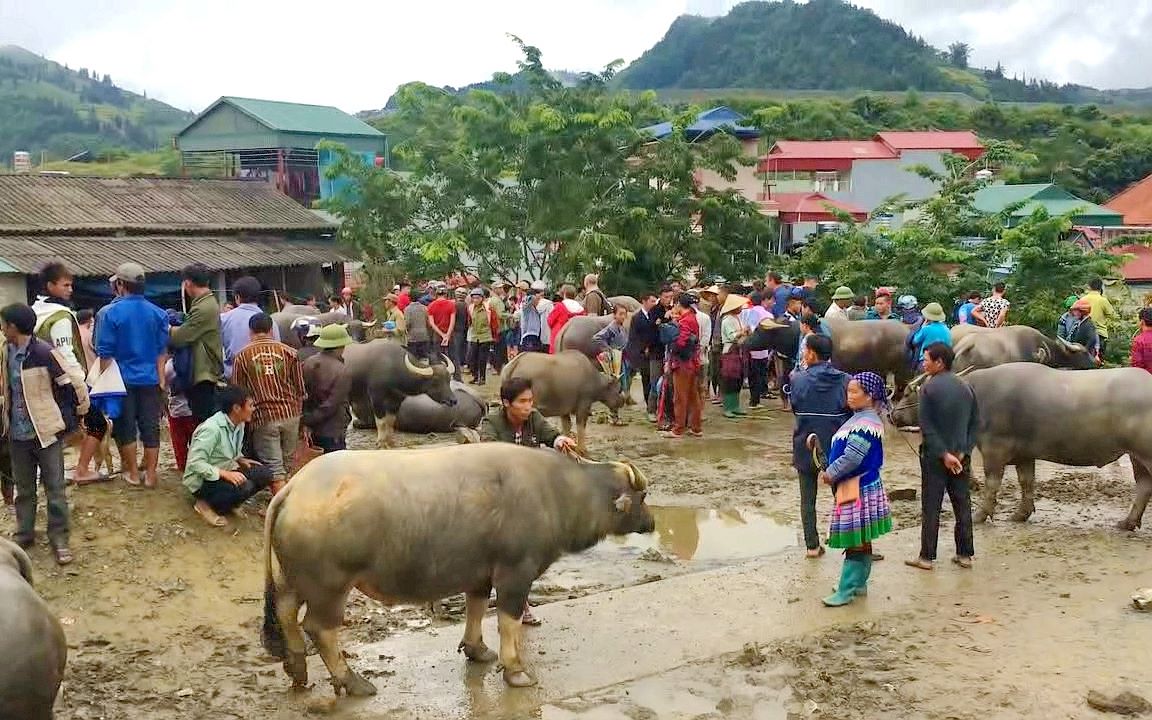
422, 414
383, 373
577, 334
626, 301
284, 319
414, 526
32, 642
859, 345
1029, 412
566, 385
963, 330
1018, 343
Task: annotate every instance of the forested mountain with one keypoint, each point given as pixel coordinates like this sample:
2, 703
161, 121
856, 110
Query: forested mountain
48, 108
829, 45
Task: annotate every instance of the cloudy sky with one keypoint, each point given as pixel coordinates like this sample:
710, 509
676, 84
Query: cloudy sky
353, 53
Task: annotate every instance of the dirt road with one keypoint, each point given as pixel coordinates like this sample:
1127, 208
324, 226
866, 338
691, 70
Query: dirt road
162, 612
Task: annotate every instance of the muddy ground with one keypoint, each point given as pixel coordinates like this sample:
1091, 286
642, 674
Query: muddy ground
162, 612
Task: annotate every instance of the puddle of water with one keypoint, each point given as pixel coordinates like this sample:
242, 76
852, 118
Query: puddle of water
707, 536
711, 450
695, 538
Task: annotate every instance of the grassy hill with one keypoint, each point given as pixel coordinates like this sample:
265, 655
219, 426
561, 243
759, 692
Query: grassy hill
831, 46
55, 112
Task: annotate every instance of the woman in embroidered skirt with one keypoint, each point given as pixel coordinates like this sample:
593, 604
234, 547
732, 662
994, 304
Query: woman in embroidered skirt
858, 452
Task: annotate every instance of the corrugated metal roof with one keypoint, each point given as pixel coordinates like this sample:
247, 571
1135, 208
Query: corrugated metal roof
40, 203
831, 149
708, 122
1053, 198
814, 202
295, 117
1135, 203
931, 140
89, 255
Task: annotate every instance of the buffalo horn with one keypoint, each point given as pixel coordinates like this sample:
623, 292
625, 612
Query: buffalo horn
915, 383
636, 479
368, 324
965, 371
1072, 347
449, 364
416, 369
1042, 355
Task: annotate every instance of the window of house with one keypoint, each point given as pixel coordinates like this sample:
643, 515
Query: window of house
826, 182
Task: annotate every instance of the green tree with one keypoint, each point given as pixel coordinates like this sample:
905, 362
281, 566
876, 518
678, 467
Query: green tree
958, 53
550, 181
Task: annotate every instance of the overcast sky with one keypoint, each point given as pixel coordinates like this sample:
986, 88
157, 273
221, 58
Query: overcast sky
353, 53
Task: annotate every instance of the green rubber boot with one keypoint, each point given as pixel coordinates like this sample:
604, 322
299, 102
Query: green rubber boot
731, 406
861, 590
851, 577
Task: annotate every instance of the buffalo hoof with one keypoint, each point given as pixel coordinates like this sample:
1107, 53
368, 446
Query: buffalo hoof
1127, 525
1022, 515
296, 665
518, 678
479, 653
980, 516
354, 686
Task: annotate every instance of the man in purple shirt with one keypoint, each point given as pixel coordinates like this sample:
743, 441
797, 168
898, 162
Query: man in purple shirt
234, 332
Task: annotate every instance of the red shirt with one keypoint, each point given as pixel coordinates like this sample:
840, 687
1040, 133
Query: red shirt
442, 310
689, 326
402, 300
1142, 350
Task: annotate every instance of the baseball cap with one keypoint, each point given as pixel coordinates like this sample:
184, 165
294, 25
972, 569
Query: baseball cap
539, 286
476, 292
797, 293
129, 272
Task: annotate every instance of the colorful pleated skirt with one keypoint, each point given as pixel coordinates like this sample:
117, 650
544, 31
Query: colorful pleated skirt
860, 522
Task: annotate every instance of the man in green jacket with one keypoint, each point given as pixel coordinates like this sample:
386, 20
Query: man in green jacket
201, 333
217, 474
518, 421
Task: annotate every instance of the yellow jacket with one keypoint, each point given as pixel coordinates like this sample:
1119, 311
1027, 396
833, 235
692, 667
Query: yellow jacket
1102, 311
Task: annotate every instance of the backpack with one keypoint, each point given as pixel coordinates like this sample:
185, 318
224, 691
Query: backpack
182, 366
606, 307
689, 351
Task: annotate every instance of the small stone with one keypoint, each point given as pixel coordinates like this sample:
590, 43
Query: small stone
1065, 595
1126, 703
902, 494
186, 692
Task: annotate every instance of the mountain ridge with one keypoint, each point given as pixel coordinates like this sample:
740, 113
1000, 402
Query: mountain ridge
56, 112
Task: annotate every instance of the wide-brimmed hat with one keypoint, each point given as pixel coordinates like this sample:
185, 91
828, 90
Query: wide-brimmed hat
932, 311
733, 302
391, 298
523, 285
333, 336
713, 289
539, 285
843, 293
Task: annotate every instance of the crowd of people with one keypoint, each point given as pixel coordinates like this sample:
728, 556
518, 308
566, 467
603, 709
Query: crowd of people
244, 408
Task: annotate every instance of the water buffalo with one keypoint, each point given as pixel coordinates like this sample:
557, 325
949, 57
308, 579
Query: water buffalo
1029, 412
414, 526
422, 414
577, 334
960, 331
31, 642
284, 319
858, 345
1018, 343
566, 384
627, 301
383, 373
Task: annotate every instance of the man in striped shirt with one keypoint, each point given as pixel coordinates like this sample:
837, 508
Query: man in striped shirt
271, 372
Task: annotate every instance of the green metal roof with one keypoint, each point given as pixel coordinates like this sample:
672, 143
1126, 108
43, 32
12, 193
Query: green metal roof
1053, 198
295, 118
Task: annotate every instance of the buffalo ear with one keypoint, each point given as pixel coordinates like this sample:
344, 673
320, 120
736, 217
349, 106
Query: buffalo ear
624, 503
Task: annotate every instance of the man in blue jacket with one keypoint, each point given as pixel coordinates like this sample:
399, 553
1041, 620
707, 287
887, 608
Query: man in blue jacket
819, 401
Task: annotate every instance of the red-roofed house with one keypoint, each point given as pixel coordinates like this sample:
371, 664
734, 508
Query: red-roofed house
807, 213
1135, 202
863, 173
